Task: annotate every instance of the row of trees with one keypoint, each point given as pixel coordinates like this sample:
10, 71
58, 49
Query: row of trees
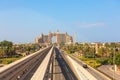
7, 49
106, 52
21, 48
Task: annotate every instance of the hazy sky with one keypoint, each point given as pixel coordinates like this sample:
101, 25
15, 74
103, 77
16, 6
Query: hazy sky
91, 20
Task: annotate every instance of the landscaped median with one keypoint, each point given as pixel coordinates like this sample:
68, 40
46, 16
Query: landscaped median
90, 61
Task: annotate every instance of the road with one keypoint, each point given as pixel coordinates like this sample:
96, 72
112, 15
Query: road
96, 74
107, 70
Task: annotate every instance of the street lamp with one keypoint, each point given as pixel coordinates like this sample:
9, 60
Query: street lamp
94, 56
114, 64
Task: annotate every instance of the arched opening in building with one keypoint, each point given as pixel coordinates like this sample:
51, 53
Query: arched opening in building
53, 39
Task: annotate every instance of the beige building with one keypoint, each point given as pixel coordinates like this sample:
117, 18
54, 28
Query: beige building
60, 37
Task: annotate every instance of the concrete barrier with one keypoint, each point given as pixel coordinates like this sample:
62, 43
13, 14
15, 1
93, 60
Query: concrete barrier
83, 74
39, 74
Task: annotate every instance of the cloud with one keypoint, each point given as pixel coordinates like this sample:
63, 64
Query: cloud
89, 25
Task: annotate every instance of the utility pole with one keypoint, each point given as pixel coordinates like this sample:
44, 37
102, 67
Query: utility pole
74, 38
94, 55
114, 65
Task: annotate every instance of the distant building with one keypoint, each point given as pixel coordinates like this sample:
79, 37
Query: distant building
60, 37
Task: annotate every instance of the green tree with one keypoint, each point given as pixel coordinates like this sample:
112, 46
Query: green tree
117, 59
62, 44
6, 44
6, 48
101, 52
2, 52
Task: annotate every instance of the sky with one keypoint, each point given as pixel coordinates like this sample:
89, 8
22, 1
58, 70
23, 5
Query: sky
21, 21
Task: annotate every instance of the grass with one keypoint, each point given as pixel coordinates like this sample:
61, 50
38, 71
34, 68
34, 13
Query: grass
90, 61
8, 60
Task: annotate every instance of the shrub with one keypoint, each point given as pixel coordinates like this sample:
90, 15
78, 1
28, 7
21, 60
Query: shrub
16, 56
89, 56
102, 60
110, 61
9, 61
1, 61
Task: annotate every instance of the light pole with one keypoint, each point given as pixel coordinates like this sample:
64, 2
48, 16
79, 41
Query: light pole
94, 56
114, 65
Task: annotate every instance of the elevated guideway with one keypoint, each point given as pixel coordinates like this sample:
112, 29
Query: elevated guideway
40, 73
54, 67
21, 69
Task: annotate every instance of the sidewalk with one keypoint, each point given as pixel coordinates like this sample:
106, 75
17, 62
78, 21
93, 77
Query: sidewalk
107, 69
117, 72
